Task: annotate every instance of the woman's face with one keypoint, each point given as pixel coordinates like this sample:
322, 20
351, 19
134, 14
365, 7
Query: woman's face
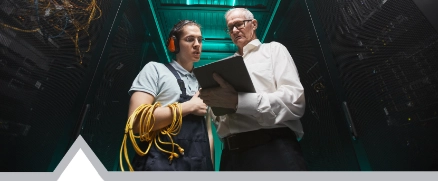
190, 44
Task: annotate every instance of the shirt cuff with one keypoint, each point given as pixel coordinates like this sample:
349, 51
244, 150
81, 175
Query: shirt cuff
247, 103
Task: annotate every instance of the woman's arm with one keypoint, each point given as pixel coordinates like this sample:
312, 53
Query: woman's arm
163, 115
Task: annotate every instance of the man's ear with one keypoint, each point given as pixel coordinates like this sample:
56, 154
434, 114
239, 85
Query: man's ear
254, 24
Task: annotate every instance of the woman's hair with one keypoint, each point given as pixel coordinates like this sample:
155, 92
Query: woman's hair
175, 34
177, 29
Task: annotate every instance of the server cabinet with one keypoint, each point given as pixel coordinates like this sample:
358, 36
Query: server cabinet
47, 51
104, 126
385, 52
326, 143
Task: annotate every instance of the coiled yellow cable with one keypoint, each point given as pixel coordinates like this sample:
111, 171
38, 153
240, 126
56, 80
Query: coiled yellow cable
144, 114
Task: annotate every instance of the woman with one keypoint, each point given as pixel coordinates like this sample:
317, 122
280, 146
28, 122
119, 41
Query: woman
166, 84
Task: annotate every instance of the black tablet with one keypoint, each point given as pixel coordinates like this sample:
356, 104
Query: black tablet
231, 69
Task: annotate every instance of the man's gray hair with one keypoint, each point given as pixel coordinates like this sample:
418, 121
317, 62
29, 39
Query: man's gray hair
248, 14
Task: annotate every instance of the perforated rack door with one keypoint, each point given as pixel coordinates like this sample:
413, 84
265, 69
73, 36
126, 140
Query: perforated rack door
103, 128
45, 53
386, 54
326, 143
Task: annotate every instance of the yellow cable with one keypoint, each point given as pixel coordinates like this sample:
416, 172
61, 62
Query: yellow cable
144, 115
90, 9
19, 29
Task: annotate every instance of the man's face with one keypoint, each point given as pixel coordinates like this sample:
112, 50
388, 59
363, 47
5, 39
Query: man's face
243, 35
190, 43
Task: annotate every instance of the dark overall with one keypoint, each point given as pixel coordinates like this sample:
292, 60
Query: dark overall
193, 138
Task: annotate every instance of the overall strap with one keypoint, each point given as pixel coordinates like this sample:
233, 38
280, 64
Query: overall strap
178, 78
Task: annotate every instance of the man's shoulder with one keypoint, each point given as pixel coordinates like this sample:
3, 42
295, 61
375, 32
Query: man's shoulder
274, 43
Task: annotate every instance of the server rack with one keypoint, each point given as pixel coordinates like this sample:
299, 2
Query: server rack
52, 55
377, 80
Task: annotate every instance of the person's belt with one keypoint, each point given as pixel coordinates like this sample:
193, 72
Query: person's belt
257, 137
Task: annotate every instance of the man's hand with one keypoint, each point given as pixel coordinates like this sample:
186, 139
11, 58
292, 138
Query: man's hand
224, 96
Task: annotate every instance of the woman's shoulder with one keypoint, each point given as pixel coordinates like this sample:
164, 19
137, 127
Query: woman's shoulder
155, 66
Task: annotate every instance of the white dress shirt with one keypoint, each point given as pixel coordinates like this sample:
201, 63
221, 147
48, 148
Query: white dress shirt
279, 98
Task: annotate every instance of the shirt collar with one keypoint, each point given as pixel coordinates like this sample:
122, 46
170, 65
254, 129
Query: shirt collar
180, 69
250, 46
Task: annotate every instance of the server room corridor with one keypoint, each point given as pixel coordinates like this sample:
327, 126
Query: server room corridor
369, 69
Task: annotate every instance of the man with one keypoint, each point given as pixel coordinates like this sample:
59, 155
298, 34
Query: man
264, 131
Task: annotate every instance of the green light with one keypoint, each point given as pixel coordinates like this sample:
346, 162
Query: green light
213, 46
270, 21
159, 29
204, 2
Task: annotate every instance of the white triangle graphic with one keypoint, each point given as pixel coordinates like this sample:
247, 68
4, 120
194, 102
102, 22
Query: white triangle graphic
80, 168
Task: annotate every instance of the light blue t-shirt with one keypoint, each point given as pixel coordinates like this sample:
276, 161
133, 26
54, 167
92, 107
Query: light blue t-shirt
156, 79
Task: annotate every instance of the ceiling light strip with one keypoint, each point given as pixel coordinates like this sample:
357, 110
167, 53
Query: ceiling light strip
159, 29
270, 21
